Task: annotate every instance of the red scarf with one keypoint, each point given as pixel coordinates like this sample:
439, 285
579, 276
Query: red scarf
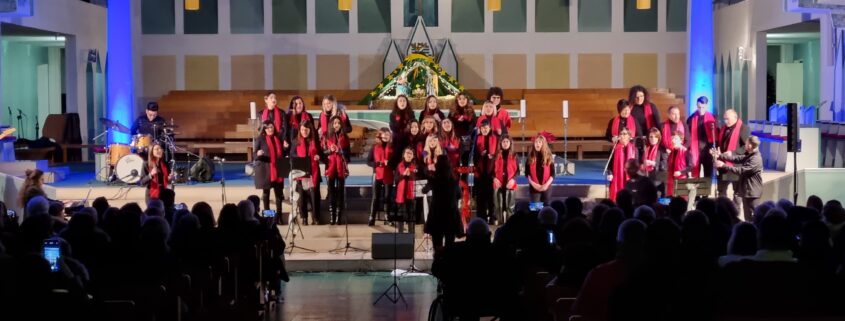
324, 120
484, 165
504, 117
311, 150
667, 133
380, 155
495, 123
451, 146
547, 172
500, 168
734, 140
708, 122
621, 155
677, 161
296, 120
648, 111
155, 185
650, 153
629, 122
405, 186
277, 118
337, 163
275, 151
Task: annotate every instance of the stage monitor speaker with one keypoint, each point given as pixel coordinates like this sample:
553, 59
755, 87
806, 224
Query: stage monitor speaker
203, 170
393, 245
792, 128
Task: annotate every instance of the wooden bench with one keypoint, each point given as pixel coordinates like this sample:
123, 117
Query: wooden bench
202, 148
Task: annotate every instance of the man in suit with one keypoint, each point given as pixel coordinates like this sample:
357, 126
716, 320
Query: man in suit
748, 168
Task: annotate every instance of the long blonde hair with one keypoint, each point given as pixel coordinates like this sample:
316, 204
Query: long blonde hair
545, 150
33, 179
432, 154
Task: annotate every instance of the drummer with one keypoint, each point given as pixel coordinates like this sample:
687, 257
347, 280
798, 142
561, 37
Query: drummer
150, 123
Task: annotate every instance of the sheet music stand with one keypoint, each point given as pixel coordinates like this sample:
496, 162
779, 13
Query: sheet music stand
692, 188
302, 167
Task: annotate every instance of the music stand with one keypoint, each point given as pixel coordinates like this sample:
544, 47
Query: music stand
692, 188
296, 167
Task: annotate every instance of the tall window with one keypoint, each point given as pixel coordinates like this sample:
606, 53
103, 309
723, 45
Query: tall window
425, 8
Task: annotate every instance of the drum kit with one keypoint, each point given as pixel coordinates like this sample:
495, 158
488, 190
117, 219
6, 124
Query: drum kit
124, 163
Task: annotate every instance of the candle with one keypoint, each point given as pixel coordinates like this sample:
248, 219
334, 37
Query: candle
252, 113
522, 108
565, 109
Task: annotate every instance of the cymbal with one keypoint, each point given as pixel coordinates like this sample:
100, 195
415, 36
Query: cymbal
114, 125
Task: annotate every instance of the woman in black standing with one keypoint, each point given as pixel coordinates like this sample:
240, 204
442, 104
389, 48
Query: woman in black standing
444, 221
155, 173
270, 153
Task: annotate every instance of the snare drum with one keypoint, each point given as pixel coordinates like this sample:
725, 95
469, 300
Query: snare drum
142, 142
116, 151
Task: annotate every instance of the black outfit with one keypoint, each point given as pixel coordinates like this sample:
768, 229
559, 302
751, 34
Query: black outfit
336, 191
145, 177
383, 194
399, 121
538, 196
504, 198
748, 168
142, 125
483, 184
464, 130
312, 195
437, 112
293, 129
704, 157
262, 174
727, 178
638, 112
661, 169
623, 123
444, 220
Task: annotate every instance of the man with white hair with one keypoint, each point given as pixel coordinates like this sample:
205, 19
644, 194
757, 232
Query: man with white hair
731, 141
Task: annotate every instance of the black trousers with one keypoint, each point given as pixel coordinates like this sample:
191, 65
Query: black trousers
544, 197
437, 241
504, 204
278, 193
336, 192
705, 161
748, 205
722, 190
484, 207
309, 196
407, 215
383, 196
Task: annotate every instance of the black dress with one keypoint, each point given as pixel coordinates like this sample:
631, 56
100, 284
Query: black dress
262, 163
443, 218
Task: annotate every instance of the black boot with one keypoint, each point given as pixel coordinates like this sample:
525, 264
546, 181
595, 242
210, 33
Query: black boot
372, 220
333, 215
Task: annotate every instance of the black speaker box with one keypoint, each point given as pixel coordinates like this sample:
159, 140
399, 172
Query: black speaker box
792, 128
393, 245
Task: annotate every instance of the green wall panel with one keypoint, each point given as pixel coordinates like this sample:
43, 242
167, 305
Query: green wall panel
329, 19
429, 12
202, 21
158, 17
640, 20
512, 17
468, 16
289, 16
594, 15
676, 15
247, 16
20, 63
373, 16
551, 16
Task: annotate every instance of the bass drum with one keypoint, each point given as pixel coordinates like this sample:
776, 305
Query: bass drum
129, 168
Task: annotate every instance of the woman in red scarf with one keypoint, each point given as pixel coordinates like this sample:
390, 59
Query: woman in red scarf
654, 159
485, 152
429, 126
450, 143
622, 120
430, 152
270, 154
305, 145
496, 95
539, 169
400, 117
155, 173
504, 180
432, 109
406, 172
274, 115
331, 109
644, 111
336, 145
462, 116
414, 139
488, 113
677, 163
380, 160
296, 115
624, 151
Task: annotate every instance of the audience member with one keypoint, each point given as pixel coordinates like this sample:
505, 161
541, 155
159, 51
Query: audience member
101, 204
742, 244
815, 202
645, 214
677, 209
37, 205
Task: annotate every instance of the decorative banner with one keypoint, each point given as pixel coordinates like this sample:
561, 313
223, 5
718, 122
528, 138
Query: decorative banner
16, 8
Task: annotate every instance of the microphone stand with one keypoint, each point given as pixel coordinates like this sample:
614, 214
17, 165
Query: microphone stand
606, 165
20, 123
714, 173
222, 179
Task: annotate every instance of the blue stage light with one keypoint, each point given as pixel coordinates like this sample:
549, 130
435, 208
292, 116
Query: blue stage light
700, 53
119, 82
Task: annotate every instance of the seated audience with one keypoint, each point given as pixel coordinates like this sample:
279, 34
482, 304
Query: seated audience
742, 244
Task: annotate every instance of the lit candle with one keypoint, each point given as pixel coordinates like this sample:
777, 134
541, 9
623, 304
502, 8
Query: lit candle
565, 109
252, 113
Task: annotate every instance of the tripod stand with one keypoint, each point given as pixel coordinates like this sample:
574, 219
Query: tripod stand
346, 235
293, 221
397, 292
